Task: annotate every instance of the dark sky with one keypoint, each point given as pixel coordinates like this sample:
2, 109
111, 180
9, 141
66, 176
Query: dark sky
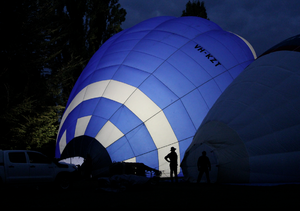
264, 23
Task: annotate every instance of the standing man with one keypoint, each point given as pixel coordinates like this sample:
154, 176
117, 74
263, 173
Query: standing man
172, 159
204, 166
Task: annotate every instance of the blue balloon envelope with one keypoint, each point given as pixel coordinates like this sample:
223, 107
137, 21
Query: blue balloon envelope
148, 88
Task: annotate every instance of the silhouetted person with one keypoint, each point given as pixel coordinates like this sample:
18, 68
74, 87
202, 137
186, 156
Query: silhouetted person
204, 166
87, 167
172, 159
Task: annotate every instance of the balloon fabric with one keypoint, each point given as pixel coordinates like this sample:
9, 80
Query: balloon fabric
252, 131
149, 87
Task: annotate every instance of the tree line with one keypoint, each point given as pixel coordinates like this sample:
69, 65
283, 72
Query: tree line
45, 45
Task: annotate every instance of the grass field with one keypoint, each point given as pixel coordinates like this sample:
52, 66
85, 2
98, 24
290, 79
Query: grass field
87, 195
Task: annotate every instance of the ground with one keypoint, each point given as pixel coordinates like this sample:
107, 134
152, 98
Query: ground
164, 195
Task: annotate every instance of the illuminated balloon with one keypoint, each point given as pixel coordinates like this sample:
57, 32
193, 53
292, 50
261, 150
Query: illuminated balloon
252, 131
148, 88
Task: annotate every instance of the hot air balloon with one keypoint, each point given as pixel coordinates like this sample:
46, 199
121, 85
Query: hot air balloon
147, 89
252, 131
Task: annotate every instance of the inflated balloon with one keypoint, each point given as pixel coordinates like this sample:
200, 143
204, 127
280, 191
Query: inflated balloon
148, 88
252, 131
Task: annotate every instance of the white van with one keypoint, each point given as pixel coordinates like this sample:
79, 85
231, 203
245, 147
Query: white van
24, 166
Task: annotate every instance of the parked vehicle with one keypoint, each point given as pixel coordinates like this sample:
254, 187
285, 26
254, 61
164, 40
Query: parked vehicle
26, 167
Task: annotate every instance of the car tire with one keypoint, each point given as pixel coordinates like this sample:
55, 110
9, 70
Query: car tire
64, 181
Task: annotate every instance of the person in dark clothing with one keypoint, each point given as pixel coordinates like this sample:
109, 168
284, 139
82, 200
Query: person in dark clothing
86, 167
172, 159
204, 166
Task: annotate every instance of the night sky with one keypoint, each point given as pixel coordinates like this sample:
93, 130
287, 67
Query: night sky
264, 23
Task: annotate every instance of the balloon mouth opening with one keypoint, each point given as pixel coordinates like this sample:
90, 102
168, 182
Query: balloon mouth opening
84, 146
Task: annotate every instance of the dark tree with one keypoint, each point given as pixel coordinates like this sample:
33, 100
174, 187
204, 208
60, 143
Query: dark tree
44, 47
25, 99
195, 8
83, 26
